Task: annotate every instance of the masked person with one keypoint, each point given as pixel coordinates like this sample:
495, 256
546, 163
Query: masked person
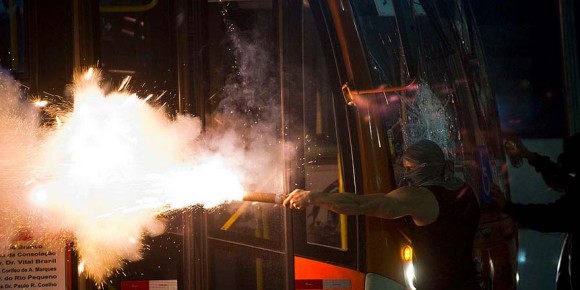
444, 210
559, 216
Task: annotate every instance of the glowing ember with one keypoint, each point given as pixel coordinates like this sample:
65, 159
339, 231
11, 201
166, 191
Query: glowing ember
40, 103
104, 173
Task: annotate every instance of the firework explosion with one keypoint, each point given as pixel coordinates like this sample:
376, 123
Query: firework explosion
101, 175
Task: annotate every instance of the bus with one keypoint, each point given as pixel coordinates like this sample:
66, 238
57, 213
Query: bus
333, 91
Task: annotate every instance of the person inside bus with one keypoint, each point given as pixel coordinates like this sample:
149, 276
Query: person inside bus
558, 216
444, 210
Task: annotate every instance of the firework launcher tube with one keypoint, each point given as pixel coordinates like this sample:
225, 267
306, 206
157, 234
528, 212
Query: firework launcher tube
266, 197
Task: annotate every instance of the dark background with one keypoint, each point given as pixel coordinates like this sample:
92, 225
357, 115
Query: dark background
523, 50
523, 47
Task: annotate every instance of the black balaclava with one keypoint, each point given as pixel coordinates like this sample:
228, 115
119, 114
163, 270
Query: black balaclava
431, 166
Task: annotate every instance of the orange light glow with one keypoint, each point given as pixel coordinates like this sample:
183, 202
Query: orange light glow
407, 253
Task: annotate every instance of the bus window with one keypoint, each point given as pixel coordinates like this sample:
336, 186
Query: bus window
320, 147
12, 35
243, 94
138, 41
246, 240
320, 234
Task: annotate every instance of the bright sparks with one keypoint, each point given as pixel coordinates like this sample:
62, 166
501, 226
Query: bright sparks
40, 103
105, 172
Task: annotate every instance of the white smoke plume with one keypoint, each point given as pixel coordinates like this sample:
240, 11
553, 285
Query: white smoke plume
105, 168
104, 172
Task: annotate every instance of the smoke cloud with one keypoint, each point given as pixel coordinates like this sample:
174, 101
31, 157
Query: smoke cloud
104, 172
104, 167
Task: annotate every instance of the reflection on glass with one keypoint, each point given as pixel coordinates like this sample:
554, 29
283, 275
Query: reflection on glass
320, 158
258, 224
240, 269
140, 44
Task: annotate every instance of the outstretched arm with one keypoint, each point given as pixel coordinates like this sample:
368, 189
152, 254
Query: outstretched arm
553, 175
559, 216
416, 202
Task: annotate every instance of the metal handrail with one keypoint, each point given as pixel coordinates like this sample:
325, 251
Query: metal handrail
350, 95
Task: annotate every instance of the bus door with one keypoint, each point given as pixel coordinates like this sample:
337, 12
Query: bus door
237, 87
219, 61
345, 148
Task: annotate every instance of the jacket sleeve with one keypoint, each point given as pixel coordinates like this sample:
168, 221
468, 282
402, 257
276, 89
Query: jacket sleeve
553, 175
552, 217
